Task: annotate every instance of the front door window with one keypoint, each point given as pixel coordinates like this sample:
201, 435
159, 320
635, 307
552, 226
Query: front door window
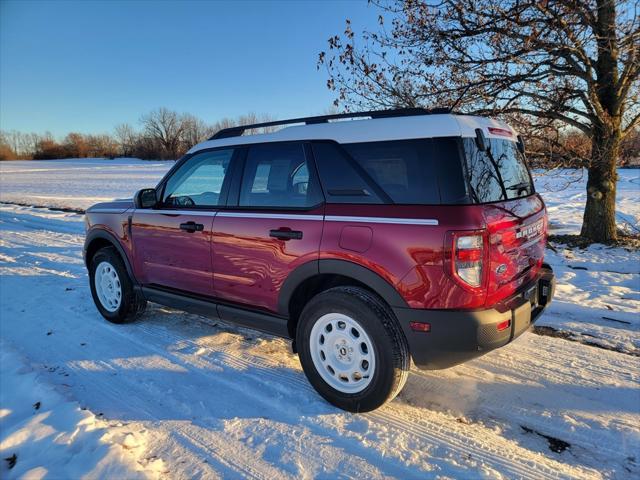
199, 182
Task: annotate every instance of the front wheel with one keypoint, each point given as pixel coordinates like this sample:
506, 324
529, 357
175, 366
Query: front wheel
112, 289
352, 349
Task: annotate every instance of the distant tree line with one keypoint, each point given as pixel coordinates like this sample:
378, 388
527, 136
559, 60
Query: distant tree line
165, 134
552, 147
162, 134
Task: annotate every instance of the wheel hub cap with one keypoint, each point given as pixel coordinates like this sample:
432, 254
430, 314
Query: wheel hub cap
108, 286
342, 352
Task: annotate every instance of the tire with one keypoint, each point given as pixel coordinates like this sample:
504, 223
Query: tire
112, 288
363, 378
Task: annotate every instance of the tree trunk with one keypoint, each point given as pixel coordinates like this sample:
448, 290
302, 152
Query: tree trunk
599, 224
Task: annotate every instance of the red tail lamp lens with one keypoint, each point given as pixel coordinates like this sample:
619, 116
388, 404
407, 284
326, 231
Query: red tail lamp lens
504, 325
420, 327
469, 255
500, 131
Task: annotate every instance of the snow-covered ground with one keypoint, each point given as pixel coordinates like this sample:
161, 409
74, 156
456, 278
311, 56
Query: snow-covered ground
179, 396
598, 293
77, 183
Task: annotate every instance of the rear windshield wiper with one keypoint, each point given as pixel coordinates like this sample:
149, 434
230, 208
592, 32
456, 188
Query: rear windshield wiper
519, 187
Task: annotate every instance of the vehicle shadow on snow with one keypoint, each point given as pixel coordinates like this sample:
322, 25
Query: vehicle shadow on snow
179, 370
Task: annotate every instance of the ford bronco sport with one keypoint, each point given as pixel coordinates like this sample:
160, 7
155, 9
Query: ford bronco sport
410, 234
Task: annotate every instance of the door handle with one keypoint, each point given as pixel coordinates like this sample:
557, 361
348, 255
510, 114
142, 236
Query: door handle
192, 227
282, 234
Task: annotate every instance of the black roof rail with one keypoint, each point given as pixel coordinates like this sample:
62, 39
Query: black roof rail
400, 112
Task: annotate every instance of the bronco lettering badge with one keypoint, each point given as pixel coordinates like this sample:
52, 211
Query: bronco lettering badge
530, 230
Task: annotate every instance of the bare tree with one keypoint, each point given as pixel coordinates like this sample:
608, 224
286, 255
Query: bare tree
551, 63
13, 139
126, 137
195, 131
247, 119
167, 127
166, 134
630, 149
23, 145
222, 124
76, 145
6, 151
30, 142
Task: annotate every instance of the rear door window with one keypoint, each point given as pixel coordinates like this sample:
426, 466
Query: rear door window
498, 174
277, 175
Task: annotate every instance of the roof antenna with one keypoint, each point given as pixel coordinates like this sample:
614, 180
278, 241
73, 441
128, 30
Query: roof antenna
455, 104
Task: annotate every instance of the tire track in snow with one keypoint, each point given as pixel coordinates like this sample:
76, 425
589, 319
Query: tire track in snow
542, 368
134, 397
428, 433
430, 430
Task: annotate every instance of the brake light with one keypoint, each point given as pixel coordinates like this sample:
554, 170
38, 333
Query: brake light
500, 131
468, 252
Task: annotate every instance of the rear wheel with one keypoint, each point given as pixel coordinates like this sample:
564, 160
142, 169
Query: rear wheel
112, 288
352, 349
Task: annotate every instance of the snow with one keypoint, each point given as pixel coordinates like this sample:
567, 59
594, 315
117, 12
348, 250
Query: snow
77, 183
55, 437
597, 297
175, 395
565, 195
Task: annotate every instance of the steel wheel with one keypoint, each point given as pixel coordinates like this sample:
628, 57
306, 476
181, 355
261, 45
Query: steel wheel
108, 287
342, 353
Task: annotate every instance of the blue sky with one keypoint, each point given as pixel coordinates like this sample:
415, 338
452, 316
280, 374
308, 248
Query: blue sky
87, 66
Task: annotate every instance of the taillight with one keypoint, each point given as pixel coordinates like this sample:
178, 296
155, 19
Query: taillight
500, 131
468, 256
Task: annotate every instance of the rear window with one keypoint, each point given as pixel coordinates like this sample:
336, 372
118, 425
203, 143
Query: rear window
402, 169
497, 174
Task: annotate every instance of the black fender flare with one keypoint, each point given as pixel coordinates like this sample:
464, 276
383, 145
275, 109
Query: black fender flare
338, 267
99, 234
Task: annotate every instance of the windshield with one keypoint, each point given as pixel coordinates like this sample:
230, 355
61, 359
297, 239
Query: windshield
497, 174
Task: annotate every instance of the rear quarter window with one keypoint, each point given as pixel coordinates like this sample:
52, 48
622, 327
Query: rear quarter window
403, 169
343, 180
411, 172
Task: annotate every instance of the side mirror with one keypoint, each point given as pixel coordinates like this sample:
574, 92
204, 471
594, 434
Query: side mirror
481, 140
520, 144
145, 198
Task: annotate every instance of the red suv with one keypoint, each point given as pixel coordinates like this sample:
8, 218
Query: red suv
368, 242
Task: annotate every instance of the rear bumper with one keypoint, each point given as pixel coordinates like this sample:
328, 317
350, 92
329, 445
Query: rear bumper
457, 336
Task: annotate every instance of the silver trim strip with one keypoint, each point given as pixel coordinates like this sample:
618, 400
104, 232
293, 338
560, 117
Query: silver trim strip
391, 220
273, 216
197, 213
291, 216
107, 210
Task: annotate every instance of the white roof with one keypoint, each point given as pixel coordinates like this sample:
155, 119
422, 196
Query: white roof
372, 130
